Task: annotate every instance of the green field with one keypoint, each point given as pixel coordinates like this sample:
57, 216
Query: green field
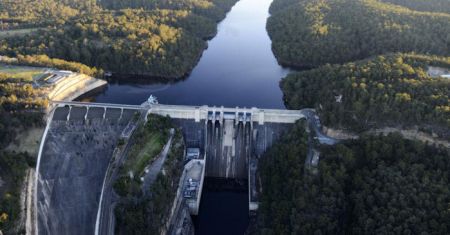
22, 72
142, 155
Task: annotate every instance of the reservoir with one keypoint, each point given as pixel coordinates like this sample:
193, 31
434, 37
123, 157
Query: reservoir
237, 69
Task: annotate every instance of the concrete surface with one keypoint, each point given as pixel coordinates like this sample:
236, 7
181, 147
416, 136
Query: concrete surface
72, 167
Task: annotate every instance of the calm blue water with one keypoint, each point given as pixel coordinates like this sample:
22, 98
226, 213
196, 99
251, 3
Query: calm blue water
237, 69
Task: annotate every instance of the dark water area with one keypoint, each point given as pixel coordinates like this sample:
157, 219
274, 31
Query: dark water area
237, 69
223, 208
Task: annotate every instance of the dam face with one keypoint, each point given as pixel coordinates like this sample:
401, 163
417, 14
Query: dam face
230, 141
227, 148
77, 150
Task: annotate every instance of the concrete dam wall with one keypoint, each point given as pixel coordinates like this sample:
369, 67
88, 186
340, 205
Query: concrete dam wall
72, 166
80, 140
230, 142
229, 138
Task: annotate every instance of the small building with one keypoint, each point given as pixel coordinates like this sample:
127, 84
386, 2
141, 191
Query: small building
53, 77
436, 72
193, 175
315, 158
192, 153
190, 190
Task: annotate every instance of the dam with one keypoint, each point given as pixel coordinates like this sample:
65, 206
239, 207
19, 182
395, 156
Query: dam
228, 137
80, 139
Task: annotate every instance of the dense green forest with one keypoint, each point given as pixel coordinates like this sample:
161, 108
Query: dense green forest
20, 109
213, 9
392, 90
423, 5
382, 51
139, 213
374, 185
309, 33
156, 38
13, 167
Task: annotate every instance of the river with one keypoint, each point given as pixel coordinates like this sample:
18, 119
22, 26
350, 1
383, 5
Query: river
237, 69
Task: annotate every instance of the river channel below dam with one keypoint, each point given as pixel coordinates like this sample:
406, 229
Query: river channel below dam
237, 69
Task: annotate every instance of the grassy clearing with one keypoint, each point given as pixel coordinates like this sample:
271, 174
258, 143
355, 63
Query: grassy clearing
22, 72
142, 154
148, 143
17, 32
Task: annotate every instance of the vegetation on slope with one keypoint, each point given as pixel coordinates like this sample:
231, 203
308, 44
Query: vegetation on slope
20, 109
213, 9
393, 90
165, 39
147, 214
423, 5
375, 185
309, 33
147, 142
12, 173
20, 106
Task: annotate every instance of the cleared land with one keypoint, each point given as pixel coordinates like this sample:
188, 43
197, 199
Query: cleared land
147, 146
24, 72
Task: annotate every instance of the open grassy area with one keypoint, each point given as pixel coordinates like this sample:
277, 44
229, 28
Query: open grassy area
22, 72
142, 154
17, 32
148, 143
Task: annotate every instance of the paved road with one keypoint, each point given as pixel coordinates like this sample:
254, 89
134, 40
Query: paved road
316, 133
316, 127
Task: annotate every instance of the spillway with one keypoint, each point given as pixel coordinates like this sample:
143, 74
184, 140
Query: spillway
77, 150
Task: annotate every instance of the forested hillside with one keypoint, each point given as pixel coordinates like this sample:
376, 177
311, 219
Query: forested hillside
213, 9
393, 90
363, 80
165, 39
20, 109
309, 33
375, 185
423, 5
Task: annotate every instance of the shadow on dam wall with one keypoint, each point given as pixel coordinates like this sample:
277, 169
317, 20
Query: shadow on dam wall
232, 150
73, 163
230, 146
